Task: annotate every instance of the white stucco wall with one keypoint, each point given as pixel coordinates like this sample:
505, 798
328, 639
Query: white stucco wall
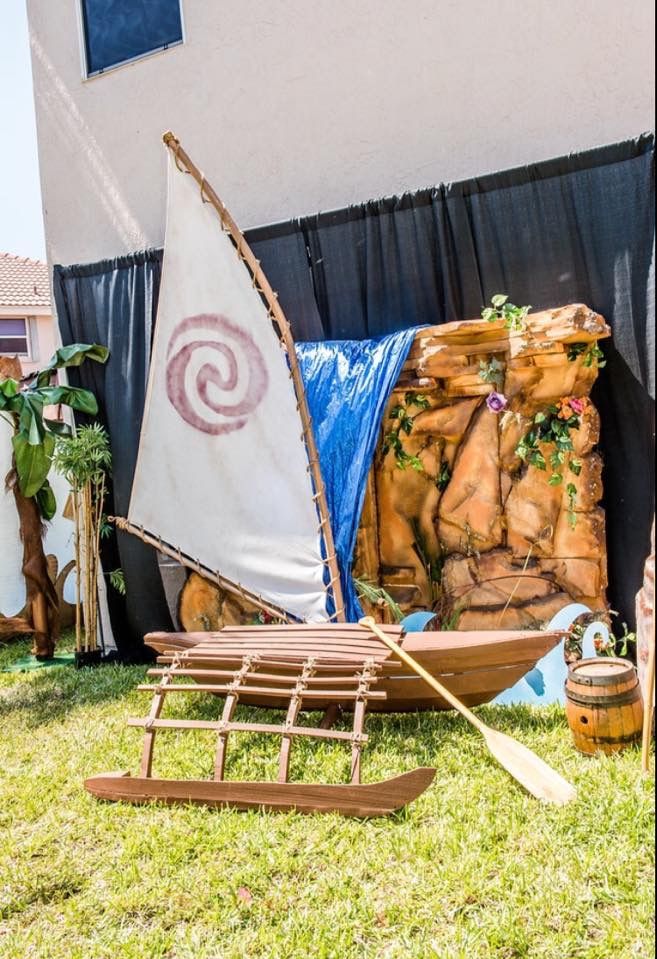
297, 106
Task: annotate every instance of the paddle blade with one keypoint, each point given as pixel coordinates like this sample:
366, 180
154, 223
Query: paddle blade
531, 772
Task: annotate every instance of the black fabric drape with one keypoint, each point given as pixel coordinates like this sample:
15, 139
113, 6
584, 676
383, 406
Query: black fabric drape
575, 229
114, 303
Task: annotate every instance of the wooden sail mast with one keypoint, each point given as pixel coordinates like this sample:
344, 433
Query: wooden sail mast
270, 299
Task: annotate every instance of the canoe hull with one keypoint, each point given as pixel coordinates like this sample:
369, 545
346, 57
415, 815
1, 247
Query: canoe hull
475, 666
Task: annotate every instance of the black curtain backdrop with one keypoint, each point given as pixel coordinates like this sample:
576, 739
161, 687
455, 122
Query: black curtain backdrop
579, 228
114, 303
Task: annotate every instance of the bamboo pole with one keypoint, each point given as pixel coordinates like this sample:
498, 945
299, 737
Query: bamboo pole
276, 312
78, 572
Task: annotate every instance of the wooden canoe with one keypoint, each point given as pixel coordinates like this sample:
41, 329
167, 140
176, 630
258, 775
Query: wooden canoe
348, 799
475, 666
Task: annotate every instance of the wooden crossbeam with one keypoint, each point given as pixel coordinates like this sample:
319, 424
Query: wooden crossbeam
287, 679
339, 695
347, 665
278, 728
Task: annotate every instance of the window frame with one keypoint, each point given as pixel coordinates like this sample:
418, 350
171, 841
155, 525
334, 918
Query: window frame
94, 74
28, 355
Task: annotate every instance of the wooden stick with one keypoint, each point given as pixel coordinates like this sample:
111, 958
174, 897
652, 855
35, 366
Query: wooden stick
524, 765
649, 698
271, 299
127, 527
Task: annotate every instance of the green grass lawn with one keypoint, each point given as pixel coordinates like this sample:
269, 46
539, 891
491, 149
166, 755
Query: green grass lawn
474, 869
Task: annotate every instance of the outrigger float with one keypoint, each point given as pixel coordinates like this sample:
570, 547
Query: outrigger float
225, 397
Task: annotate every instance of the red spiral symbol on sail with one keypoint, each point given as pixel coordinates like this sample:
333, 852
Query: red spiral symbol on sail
214, 380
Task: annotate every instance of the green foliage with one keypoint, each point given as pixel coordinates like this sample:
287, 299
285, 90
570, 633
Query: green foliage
378, 596
84, 457
591, 352
117, 580
513, 316
614, 646
451, 622
402, 422
34, 435
492, 372
553, 427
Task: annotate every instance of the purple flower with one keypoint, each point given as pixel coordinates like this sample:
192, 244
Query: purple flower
496, 402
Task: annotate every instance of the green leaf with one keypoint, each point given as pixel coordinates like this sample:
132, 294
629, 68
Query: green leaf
555, 479
46, 501
32, 462
489, 314
499, 300
73, 355
8, 388
576, 466
540, 418
117, 580
73, 396
57, 427
537, 459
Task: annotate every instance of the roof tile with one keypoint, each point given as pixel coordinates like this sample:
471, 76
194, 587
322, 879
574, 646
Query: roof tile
23, 282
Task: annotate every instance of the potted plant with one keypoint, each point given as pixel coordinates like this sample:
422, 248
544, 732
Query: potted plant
84, 459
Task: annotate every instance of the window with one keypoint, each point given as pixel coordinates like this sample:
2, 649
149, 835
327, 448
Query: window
116, 31
14, 337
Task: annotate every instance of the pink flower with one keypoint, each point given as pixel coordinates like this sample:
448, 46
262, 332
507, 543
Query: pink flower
496, 402
577, 405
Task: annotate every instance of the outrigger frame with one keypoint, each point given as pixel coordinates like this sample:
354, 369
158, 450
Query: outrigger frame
315, 678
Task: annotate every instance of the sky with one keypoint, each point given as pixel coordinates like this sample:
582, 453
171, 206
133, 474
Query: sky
21, 218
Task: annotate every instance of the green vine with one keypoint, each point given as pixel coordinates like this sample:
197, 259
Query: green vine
591, 353
514, 316
402, 422
492, 372
553, 427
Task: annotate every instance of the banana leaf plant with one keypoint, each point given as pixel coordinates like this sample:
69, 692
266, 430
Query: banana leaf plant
22, 403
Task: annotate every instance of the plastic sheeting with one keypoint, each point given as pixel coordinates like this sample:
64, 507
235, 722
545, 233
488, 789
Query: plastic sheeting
348, 383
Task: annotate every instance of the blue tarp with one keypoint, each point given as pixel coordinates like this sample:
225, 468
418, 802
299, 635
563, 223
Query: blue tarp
348, 383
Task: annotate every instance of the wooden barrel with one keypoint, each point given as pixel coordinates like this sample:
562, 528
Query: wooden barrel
603, 704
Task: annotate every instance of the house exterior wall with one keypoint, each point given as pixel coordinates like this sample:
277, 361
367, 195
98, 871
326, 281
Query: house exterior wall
302, 105
42, 334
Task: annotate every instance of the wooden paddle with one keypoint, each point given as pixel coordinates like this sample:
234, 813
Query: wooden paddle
531, 772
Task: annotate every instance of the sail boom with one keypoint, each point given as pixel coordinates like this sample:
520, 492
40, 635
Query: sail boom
173, 552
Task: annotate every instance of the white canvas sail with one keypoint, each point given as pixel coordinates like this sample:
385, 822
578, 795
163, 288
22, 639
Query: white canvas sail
222, 473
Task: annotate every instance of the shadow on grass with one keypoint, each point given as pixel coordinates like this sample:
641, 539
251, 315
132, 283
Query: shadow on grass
47, 695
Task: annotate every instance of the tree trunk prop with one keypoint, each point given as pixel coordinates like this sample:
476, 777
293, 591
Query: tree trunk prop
41, 596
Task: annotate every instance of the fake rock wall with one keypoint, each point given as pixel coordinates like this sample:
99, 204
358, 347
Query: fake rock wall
454, 519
